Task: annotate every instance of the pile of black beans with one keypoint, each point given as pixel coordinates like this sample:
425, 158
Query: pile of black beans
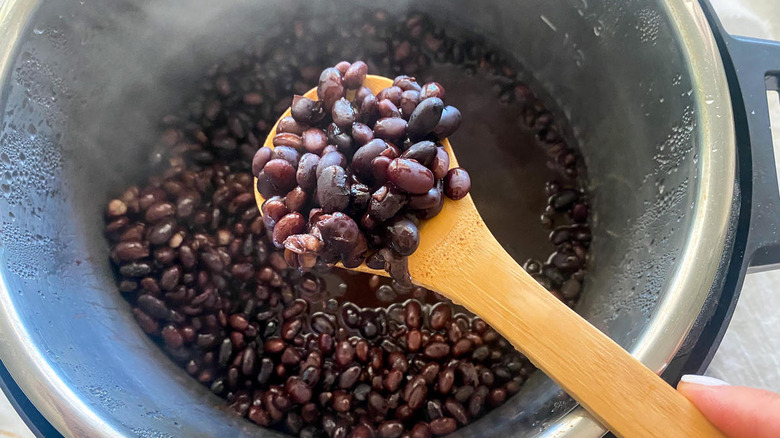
348, 177
299, 352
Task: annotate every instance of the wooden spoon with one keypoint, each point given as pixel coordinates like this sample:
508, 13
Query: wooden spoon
459, 258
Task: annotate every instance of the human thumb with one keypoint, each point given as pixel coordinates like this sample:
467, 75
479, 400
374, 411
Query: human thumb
738, 411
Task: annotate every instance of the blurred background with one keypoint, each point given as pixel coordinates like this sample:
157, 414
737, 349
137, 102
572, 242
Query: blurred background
750, 351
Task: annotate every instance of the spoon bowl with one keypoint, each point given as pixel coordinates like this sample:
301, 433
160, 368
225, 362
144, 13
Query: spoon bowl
459, 258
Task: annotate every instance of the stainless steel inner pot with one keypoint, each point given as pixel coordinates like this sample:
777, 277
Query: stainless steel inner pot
640, 82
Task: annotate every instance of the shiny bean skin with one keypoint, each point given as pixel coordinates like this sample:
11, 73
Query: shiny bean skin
332, 190
404, 236
441, 163
292, 223
280, 174
390, 128
361, 134
457, 183
287, 139
355, 75
406, 83
425, 117
392, 93
314, 140
262, 156
331, 159
409, 101
288, 154
432, 89
343, 113
289, 124
387, 108
379, 166
330, 87
306, 176
361, 161
449, 122
410, 176
423, 152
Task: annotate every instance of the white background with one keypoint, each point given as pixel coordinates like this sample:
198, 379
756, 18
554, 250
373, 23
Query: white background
750, 352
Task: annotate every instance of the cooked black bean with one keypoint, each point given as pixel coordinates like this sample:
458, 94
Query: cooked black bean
406, 83
330, 87
440, 164
390, 429
404, 236
457, 183
431, 199
303, 110
340, 138
386, 202
432, 89
563, 199
369, 111
153, 307
286, 153
391, 93
314, 140
390, 128
129, 251
159, 211
342, 234
273, 209
343, 113
436, 350
423, 152
288, 139
360, 196
410, 176
443, 426
421, 430
387, 108
331, 159
425, 117
292, 223
457, 411
361, 161
449, 122
332, 190
280, 174
440, 314
296, 199
289, 124
409, 101
306, 176
361, 133
355, 74
361, 94
262, 156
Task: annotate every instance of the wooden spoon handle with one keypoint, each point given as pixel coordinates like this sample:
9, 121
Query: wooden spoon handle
611, 384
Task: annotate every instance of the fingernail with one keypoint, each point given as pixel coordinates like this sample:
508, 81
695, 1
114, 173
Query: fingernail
702, 380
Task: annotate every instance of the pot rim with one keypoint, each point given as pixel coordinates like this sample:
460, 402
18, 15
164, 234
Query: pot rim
691, 283
674, 316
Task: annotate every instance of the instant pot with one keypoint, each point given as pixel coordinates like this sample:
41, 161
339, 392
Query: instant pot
669, 111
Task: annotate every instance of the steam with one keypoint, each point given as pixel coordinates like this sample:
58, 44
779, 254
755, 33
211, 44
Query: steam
138, 61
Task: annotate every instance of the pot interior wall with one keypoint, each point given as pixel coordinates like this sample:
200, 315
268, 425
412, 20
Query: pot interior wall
89, 80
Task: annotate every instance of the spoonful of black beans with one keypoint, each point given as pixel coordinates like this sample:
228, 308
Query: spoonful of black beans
359, 173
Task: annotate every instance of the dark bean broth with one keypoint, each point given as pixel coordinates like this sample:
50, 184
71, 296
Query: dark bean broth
327, 353
509, 169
